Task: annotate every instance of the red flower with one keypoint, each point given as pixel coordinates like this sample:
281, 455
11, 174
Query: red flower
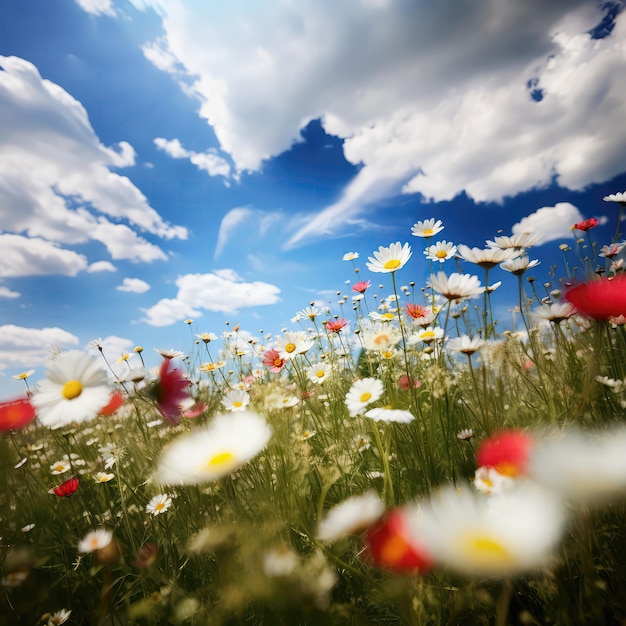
170, 391
405, 384
507, 452
66, 489
585, 225
335, 326
147, 555
600, 299
361, 286
16, 414
116, 401
195, 410
416, 311
273, 360
391, 546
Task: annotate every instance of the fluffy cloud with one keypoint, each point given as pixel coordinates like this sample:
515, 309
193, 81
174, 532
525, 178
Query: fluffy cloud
209, 161
101, 266
5, 292
22, 347
554, 222
75, 197
97, 7
431, 98
222, 290
134, 285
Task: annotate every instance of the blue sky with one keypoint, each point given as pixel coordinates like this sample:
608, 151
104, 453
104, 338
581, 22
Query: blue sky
171, 159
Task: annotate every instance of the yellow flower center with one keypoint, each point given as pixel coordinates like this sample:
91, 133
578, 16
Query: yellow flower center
72, 389
94, 543
392, 264
427, 232
320, 373
387, 354
441, 254
486, 550
238, 404
160, 506
393, 549
59, 468
387, 316
379, 339
428, 335
365, 396
290, 347
219, 460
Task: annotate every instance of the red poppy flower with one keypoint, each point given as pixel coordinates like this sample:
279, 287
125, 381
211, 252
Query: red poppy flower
16, 414
507, 452
273, 360
405, 383
585, 225
391, 546
600, 299
335, 326
66, 489
170, 391
116, 401
361, 286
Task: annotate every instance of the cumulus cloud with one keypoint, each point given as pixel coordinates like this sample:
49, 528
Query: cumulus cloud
222, 290
97, 7
75, 197
554, 222
101, 266
5, 292
134, 285
209, 161
28, 347
430, 98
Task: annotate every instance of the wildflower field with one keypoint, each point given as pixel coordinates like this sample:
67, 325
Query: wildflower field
396, 457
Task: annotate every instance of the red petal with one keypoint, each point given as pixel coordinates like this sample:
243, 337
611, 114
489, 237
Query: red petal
116, 401
16, 414
66, 489
600, 299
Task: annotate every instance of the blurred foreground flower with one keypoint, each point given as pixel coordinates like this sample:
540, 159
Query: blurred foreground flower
392, 546
16, 414
600, 299
75, 390
229, 441
351, 517
477, 535
507, 452
586, 225
115, 402
170, 392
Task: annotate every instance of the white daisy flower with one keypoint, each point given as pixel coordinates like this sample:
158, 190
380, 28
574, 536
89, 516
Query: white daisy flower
159, 504
351, 517
95, 540
169, 354
207, 337
465, 345
363, 392
75, 390
350, 256
319, 372
556, 312
292, 344
384, 414
59, 617
103, 477
490, 481
519, 265
440, 251
520, 240
389, 259
388, 316
616, 197
427, 228
236, 400
60, 467
488, 257
456, 286
207, 454
427, 335
381, 337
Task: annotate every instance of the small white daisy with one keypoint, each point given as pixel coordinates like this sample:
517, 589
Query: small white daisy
159, 504
363, 392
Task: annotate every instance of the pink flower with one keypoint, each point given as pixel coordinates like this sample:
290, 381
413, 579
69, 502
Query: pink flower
416, 311
273, 360
586, 225
170, 392
361, 286
405, 383
335, 326
196, 409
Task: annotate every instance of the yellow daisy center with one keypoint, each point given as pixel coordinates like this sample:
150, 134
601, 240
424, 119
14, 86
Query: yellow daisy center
72, 389
387, 354
320, 373
429, 334
238, 404
379, 339
94, 543
290, 347
219, 460
392, 264
365, 396
59, 468
427, 232
160, 506
441, 254
387, 316
486, 550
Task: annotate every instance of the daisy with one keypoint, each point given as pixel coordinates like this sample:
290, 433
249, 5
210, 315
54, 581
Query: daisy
389, 259
59, 617
427, 335
351, 517
95, 540
386, 414
456, 286
159, 504
363, 392
519, 265
420, 315
513, 533
23, 375
203, 455
427, 228
74, 390
169, 354
103, 477
487, 258
556, 312
465, 435
382, 317
440, 251
350, 256
616, 197
381, 337
319, 372
207, 337
465, 345
236, 400
211, 367
488, 480
360, 286
336, 326
310, 312
273, 360
60, 467
292, 344
520, 240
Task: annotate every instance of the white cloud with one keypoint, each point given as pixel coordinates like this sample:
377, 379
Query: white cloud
101, 266
134, 285
28, 347
5, 292
209, 161
23, 256
431, 98
97, 7
222, 290
230, 221
554, 222
75, 197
